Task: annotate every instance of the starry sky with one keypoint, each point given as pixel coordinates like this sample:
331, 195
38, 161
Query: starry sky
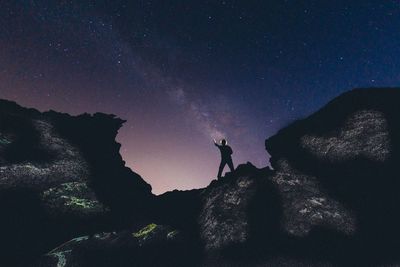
184, 72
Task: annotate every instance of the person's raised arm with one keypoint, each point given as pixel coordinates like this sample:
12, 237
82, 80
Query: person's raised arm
215, 143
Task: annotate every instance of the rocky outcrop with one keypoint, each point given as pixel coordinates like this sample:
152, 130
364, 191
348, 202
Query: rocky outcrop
153, 245
330, 199
231, 205
61, 177
216, 225
337, 170
72, 199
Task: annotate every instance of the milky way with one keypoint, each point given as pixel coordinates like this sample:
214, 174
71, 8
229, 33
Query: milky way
185, 72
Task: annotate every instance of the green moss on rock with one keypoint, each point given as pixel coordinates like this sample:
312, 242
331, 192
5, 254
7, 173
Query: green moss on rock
74, 197
81, 203
145, 231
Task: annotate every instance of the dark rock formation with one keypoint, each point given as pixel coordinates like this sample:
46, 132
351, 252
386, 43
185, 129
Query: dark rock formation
338, 170
226, 219
239, 213
331, 198
61, 177
221, 224
154, 245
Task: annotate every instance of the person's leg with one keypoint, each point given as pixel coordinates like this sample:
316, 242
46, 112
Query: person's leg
221, 168
230, 164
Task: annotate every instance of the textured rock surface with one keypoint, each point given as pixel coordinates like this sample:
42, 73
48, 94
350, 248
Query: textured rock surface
338, 173
306, 204
60, 177
225, 218
331, 199
153, 245
66, 165
364, 134
74, 198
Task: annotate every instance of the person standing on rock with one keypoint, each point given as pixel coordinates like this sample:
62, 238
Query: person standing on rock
226, 156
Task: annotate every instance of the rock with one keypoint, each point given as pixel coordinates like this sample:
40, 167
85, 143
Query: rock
180, 209
337, 172
153, 245
59, 159
331, 198
74, 199
364, 134
306, 204
240, 210
62, 176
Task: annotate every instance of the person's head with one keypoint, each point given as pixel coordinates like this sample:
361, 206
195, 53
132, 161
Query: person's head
223, 142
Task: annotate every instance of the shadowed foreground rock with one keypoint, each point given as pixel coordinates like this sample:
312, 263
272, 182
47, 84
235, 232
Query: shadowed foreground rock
154, 245
345, 161
61, 177
331, 198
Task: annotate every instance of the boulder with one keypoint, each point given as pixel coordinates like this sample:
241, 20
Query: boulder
153, 245
62, 176
337, 172
239, 221
330, 199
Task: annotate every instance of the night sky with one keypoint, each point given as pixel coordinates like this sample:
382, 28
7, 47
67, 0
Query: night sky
185, 72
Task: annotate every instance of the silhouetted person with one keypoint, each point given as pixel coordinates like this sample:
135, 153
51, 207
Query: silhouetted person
226, 158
